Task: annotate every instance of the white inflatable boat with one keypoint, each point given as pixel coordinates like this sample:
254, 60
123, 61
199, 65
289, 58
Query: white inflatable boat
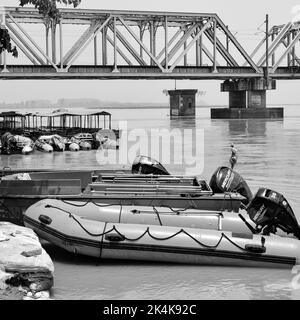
170, 235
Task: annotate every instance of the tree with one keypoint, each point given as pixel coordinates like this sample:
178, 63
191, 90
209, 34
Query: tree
5, 42
48, 8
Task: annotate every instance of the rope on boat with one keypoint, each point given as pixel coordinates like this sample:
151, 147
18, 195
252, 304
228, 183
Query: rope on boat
177, 211
120, 213
157, 214
147, 231
87, 202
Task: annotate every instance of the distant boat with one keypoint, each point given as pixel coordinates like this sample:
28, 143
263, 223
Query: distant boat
85, 140
56, 141
74, 147
16, 144
24, 144
43, 146
105, 139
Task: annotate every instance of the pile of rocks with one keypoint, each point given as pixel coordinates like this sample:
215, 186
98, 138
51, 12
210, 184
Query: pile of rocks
24, 264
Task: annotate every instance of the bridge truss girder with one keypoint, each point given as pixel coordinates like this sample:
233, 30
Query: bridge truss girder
283, 44
187, 39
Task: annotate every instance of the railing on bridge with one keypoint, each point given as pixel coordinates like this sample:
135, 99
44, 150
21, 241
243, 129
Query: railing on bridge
123, 44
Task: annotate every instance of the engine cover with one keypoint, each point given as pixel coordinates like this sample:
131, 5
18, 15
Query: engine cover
226, 180
147, 165
270, 210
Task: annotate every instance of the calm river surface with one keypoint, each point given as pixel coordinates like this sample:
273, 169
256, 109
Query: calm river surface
269, 155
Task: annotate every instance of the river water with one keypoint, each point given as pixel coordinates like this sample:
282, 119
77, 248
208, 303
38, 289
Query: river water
268, 156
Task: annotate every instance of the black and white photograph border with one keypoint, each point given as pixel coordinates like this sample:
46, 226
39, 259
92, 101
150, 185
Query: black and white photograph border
149, 151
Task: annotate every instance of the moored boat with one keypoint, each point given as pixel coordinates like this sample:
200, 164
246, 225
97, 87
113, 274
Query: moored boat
24, 144
85, 140
73, 146
43, 146
150, 215
262, 247
56, 141
16, 144
85, 145
105, 139
115, 187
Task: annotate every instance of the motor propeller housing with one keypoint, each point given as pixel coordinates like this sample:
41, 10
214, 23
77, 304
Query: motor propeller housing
147, 165
270, 210
225, 179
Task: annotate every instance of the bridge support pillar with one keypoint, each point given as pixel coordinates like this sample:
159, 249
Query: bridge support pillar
247, 100
257, 99
237, 99
182, 103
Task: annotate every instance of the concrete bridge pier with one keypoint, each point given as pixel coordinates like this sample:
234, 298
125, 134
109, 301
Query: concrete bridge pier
247, 100
182, 103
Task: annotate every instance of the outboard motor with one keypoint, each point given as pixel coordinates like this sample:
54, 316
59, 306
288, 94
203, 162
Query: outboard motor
226, 180
270, 210
147, 165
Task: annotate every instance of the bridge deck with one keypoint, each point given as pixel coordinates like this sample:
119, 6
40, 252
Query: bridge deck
139, 72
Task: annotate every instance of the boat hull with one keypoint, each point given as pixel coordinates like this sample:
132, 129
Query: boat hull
85, 145
27, 150
74, 147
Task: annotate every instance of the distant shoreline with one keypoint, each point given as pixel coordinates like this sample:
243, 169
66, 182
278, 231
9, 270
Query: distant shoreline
119, 107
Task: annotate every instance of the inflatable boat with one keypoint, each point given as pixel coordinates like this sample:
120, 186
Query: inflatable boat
56, 141
160, 216
84, 140
129, 237
16, 144
43, 146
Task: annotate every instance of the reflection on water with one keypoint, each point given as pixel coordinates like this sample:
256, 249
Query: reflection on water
268, 156
88, 278
254, 128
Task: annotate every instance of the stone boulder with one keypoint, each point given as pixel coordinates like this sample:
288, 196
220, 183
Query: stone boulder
23, 261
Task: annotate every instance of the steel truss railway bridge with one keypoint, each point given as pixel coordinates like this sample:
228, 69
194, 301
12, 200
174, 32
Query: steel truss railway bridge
111, 44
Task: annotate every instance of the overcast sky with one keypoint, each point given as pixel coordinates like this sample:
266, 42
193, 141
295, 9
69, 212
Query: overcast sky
243, 17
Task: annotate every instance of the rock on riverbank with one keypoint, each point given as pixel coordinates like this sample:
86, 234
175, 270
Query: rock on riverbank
24, 264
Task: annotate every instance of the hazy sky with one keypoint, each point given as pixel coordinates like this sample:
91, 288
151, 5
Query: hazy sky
243, 17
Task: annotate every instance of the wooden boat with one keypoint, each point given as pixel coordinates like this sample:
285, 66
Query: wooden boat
110, 237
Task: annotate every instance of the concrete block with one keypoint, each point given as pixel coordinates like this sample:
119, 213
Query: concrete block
247, 113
